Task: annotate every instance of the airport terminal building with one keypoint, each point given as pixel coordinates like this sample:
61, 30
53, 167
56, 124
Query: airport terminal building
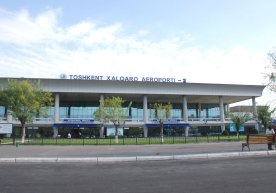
76, 98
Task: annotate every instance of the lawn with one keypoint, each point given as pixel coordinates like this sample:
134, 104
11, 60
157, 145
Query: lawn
126, 141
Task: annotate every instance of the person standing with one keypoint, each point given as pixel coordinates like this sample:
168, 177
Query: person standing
270, 133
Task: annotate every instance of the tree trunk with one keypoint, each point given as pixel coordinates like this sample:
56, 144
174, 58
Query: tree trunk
116, 135
161, 131
23, 132
238, 135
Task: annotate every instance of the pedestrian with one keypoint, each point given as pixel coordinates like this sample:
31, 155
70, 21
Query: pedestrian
79, 134
69, 136
270, 134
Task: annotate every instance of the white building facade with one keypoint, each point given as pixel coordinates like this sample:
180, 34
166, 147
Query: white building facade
194, 104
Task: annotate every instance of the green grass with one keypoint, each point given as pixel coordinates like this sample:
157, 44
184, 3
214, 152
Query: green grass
128, 141
6, 140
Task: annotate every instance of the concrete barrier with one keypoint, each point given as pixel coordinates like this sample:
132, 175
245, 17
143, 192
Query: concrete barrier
254, 153
191, 156
78, 159
154, 158
223, 155
36, 159
115, 159
7, 160
135, 158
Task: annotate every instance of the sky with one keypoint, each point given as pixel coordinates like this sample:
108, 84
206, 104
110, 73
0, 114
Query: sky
202, 41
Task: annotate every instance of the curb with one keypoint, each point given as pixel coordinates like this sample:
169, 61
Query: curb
98, 160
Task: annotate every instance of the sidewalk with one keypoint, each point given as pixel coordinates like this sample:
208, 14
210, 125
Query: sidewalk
102, 153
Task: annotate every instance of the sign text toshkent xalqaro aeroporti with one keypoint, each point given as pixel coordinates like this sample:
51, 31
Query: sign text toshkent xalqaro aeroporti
126, 78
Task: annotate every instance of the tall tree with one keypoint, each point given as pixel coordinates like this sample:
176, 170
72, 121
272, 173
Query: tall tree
264, 116
162, 112
239, 119
25, 100
272, 74
111, 110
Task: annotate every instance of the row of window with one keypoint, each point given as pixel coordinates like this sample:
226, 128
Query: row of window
133, 113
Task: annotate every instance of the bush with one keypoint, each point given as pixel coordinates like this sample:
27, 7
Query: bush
225, 133
254, 131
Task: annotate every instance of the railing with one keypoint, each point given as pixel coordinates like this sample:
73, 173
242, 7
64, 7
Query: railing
43, 119
3, 118
124, 140
49, 120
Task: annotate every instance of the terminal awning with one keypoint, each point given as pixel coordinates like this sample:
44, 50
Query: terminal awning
168, 125
75, 125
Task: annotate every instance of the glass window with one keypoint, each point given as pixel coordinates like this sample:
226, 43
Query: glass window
63, 112
2, 111
82, 112
137, 113
176, 114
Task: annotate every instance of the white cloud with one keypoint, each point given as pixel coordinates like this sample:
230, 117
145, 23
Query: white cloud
41, 47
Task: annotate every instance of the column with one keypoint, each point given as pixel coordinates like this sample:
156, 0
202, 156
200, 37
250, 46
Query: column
221, 111
199, 111
9, 116
185, 115
56, 108
102, 126
255, 113
145, 115
254, 107
56, 120
185, 109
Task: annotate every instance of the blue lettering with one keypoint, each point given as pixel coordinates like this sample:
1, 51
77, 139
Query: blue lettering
87, 77
125, 78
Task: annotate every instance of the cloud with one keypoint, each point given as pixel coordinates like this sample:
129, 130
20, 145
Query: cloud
40, 46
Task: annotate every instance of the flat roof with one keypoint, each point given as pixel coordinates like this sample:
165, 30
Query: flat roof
90, 90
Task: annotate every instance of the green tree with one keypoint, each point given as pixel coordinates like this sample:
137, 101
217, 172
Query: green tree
162, 112
111, 110
25, 100
272, 74
264, 115
239, 119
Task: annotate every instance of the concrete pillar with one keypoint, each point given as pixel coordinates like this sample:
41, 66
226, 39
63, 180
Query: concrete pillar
102, 131
187, 131
185, 115
254, 107
145, 114
56, 108
199, 111
9, 116
221, 111
255, 113
145, 131
102, 127
185, 109
56, 120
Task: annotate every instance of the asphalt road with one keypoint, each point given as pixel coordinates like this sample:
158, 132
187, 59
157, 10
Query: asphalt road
239, 175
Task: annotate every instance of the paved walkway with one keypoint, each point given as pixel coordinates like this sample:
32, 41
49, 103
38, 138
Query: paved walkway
127, 152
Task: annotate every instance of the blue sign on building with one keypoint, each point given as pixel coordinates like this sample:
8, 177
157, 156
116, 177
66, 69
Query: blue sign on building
233, 128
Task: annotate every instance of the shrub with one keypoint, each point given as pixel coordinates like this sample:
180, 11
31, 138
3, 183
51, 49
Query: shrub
225, 133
